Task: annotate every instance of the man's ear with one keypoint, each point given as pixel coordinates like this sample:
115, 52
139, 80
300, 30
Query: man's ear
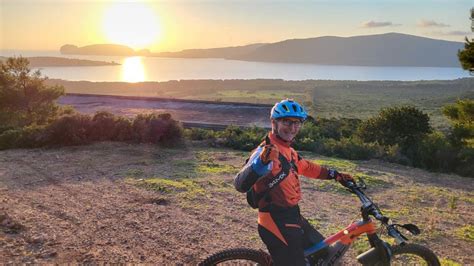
274, 124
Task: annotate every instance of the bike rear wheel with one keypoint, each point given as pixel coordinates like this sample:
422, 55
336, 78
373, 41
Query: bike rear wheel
238, 256
413, 254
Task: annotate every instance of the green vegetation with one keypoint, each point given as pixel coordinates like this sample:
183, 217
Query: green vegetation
24, 98
403, 126
466, 56
466, 232
398, 134
324, 98
185, 188
448, 262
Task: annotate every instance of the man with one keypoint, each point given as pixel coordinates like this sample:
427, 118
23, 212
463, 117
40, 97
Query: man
270, 179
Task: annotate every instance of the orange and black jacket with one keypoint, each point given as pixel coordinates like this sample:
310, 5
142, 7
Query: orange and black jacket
288, 193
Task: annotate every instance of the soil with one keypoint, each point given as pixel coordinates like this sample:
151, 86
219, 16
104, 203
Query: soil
83, 205
240, 114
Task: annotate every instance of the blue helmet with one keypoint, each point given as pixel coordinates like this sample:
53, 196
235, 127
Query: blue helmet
288, 108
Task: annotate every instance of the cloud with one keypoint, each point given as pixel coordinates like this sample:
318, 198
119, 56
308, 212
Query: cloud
431, 23
378, 24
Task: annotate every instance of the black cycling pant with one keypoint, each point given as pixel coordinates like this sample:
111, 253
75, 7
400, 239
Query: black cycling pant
296, 231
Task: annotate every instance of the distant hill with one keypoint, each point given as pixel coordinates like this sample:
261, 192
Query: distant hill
102, 49
48, 61
391, 49
224, 52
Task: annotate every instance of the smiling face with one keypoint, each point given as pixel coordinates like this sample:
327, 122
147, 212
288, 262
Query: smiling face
286, 128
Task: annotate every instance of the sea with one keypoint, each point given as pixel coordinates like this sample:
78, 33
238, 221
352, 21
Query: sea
140, 69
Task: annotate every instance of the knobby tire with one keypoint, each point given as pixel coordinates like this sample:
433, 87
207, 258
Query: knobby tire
421, 252
229, 255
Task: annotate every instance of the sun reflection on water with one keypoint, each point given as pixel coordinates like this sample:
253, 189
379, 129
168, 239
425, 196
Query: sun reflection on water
133, 69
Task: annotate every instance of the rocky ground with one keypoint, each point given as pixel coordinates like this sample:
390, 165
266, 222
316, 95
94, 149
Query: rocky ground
118, 203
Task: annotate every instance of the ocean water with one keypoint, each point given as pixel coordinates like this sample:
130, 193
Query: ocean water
136, 69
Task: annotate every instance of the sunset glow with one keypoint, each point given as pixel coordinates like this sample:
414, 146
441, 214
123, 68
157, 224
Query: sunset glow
133, 69
131, 24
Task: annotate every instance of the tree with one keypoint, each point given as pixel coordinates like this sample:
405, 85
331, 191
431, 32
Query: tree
24, 98
404, 126
466, 56
461, 115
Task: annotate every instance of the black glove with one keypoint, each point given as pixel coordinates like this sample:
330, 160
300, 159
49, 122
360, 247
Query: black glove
340, 177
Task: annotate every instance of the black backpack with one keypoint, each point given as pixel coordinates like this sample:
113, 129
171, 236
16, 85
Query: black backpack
253, 198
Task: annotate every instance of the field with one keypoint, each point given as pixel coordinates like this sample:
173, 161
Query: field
118, 203
324, 98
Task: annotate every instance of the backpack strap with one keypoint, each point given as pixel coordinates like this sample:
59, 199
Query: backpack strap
254, 198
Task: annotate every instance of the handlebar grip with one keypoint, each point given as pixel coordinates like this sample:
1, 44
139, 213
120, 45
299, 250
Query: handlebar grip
381, 218
399, 238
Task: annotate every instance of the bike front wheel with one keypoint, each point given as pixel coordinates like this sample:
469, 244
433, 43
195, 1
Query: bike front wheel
413, 254
238, 256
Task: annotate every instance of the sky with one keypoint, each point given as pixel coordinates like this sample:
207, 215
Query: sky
174, 25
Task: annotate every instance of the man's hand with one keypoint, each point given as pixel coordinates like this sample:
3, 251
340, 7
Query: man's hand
344, 178
269, 153
340, 177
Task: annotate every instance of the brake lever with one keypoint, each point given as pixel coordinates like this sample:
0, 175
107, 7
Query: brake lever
393, 232
413, 229
362, 184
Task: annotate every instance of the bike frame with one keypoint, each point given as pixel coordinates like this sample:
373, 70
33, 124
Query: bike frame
340, 242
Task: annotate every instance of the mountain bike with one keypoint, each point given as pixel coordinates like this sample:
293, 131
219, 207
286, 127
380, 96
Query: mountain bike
332, 249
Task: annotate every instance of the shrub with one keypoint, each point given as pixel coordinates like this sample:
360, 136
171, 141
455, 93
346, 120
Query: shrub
156, 128
24, 98
123, 130
435, 153
461, 115
26, 137
199, 134
404, 126
69, 130
349, 148
465, 165
242, 139
103, 126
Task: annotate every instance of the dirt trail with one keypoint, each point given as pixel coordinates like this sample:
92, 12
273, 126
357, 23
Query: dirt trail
83, 204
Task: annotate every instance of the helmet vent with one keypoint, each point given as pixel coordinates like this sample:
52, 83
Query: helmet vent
285, 107
277, 112
294, 108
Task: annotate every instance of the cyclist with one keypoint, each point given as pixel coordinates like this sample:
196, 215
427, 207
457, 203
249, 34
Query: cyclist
270, 178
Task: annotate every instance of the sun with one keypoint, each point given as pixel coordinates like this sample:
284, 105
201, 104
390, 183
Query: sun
131, 24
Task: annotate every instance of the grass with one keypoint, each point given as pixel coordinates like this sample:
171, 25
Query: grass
448, 262
207, 164
261, 95
339, 164
184, 188
466, 232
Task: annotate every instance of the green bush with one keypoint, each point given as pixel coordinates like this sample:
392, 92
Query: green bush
403, 126
242, 139
156, 128
24, 98
349, 148
465, 165
69, 130
435, 153
103, 126
26, 137
199, 134
123, 130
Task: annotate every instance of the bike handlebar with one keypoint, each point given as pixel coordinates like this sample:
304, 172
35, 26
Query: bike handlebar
367, 204
369, 208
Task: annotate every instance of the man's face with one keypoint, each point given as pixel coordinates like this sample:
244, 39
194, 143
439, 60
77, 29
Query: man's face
287, 128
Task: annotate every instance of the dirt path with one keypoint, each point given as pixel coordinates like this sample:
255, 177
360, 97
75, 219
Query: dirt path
114, 202
183, 110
